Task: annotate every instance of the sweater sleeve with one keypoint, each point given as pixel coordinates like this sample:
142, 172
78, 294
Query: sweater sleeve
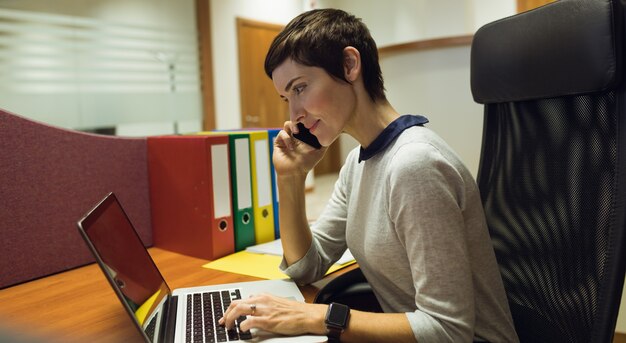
329, 234
426, 204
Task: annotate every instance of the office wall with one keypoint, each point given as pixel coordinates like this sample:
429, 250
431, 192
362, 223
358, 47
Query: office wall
398, 21
100, 63
485, 11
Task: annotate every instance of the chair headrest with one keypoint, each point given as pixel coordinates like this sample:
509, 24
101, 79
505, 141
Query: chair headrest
569, 47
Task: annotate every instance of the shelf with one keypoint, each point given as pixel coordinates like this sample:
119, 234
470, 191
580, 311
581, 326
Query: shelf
436, 43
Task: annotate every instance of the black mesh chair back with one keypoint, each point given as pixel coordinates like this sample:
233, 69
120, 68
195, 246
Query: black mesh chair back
553, 162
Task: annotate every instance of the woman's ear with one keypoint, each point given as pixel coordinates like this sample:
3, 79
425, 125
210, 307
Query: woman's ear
351, 63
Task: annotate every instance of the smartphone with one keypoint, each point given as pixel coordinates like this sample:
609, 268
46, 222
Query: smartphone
307, 137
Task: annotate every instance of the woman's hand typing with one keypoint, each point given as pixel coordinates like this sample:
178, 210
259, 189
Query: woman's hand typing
275, 314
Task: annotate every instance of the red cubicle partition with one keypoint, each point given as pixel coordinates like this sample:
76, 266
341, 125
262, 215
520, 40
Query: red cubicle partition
49, 178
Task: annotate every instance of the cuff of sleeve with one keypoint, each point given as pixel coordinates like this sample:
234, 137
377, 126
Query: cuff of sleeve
426, 328
301, 271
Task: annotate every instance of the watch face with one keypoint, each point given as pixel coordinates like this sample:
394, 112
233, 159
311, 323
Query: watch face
338, 314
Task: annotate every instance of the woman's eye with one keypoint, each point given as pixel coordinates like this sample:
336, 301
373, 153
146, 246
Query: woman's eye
299, 89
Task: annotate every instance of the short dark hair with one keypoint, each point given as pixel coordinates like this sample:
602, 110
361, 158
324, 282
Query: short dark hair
317, 38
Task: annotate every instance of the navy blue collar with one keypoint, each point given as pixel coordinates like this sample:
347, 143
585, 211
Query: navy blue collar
390, 133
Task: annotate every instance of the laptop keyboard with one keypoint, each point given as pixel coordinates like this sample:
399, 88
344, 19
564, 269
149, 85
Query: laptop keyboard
203, 312
149, 330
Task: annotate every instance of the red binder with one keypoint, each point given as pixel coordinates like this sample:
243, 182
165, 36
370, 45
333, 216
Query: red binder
190, 195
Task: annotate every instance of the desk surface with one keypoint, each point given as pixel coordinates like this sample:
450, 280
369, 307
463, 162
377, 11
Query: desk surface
80, 306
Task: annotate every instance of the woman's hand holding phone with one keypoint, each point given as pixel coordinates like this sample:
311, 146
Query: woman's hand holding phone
296, 151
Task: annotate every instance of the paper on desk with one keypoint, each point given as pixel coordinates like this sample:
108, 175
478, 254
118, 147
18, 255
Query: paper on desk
275, 248
142, 311
258, 265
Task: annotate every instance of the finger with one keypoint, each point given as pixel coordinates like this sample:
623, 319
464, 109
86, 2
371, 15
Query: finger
230, 308
229, 315
239, 310
284, 140
254, 322
248, 324
290, 127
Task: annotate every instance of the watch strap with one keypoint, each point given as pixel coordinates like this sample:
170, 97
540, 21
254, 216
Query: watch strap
333, 334
336, 325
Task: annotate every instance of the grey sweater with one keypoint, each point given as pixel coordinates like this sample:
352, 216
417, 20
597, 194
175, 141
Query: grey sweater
412, 217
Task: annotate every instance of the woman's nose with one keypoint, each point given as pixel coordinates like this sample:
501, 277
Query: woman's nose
296, 112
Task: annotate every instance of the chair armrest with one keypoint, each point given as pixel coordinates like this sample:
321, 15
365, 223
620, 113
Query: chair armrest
352, 289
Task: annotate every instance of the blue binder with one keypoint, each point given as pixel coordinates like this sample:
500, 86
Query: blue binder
272, 133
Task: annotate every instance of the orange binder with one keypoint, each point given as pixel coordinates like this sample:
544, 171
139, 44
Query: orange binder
190, 195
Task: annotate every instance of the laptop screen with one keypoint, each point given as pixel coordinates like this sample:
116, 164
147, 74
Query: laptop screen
126, 264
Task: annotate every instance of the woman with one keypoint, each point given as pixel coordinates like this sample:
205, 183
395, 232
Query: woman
404, 203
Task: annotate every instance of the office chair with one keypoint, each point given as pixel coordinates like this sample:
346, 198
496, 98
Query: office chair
352, 289
553, 163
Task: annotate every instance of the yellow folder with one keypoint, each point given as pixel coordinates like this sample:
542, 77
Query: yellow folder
261, 187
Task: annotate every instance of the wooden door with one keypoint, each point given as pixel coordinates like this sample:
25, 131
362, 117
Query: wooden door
260, 104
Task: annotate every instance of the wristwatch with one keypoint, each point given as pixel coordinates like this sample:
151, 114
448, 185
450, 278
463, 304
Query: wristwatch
336, 321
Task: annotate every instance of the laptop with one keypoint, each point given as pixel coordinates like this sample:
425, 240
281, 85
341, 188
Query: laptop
160, 314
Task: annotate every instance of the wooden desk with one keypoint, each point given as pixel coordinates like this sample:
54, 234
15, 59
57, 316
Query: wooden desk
80, 306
